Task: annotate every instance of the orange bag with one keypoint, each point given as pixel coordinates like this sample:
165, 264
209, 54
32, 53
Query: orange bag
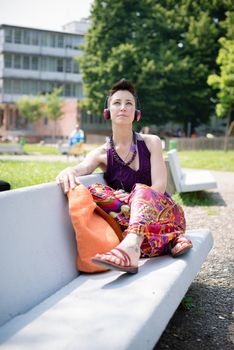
95, 230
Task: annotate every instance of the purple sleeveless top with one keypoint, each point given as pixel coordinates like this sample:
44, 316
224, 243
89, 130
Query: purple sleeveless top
123, 177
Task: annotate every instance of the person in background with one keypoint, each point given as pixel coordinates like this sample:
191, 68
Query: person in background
145, 130
152, 222
76, 141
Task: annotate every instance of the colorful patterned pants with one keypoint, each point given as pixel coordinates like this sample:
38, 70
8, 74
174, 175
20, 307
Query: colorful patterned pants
151, 214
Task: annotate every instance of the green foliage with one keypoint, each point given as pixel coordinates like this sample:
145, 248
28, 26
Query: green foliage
224, 82
187, 302
53, 105
34, 108
167, 48
31, 108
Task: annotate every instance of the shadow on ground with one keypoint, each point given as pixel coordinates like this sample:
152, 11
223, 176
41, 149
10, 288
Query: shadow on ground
207, 325
202, 198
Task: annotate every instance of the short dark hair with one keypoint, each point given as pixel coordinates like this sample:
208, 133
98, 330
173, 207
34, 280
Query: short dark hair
123, 84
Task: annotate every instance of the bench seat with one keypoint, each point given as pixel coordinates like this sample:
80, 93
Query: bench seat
110, 310
45, 303
189, 180
12, 148
197, 180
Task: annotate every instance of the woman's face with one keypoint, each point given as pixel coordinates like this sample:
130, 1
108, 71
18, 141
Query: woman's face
122, 107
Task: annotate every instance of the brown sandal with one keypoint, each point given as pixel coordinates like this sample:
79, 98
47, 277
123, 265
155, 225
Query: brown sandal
186, 245
99, 259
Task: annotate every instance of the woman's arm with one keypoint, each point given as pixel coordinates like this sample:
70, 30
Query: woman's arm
67, 178
158, 167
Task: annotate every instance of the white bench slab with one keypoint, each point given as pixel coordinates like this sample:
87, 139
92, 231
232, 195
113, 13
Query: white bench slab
46, 304
77, 149
12, 148
64, 148
192, 180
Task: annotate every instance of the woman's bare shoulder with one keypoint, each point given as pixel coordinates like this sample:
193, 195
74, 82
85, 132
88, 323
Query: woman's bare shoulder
98, 154
101, 150
151, 140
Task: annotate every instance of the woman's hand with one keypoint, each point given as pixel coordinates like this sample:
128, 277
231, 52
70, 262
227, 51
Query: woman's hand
122, 195
67, 179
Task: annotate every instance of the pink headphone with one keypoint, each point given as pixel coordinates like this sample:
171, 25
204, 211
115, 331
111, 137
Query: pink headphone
106, 112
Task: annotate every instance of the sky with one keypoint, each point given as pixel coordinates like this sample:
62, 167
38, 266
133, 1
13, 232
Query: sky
43, 14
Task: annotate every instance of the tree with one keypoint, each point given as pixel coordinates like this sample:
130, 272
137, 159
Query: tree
167, 48
224, 81
31, 108
53, 106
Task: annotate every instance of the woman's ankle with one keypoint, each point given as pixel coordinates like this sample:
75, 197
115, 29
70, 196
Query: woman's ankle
131, 245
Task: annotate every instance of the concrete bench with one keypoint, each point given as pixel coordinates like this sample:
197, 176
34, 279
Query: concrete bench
11, 148
46, 304
63, 148
189, 180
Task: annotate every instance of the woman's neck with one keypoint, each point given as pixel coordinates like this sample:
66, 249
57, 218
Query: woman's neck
122, 136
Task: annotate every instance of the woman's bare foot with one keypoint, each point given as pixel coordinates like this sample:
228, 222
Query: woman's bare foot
124, 257
180, 245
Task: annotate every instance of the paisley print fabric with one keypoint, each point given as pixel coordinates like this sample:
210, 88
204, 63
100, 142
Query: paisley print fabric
148, 213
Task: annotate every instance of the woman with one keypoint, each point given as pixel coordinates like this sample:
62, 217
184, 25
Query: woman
136, 175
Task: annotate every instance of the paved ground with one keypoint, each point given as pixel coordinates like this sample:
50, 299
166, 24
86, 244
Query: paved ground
209, 324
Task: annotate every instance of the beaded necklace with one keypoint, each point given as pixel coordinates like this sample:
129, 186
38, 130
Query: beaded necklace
133, 149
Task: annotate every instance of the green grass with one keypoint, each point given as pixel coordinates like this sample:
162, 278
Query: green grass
40, 149
28, 173
211, 160
37, 149
201, 199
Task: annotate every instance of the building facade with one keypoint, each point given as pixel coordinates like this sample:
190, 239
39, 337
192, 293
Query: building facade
34, 62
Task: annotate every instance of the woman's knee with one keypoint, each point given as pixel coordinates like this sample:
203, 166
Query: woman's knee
100, 190
142, 191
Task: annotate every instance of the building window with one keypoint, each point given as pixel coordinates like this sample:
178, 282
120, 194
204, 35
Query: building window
52, 40
34, 63
68, 41
8, 35
35, 38
68, 90
25, 87
76, 67
18, 39
79, 92
59, 65
16, 87
7, 86
8, 60
68, 65
26, 63
60, 40
44, 39
33, 87
17, 61
26, 37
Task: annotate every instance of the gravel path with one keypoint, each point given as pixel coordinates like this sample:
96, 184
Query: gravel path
208, 324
